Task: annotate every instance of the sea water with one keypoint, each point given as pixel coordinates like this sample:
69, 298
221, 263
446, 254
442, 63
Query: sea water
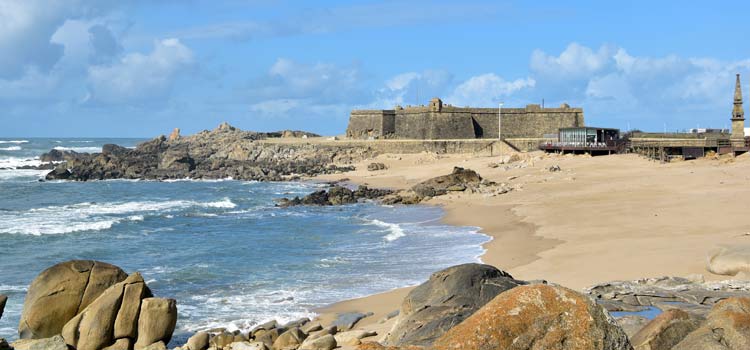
222, 249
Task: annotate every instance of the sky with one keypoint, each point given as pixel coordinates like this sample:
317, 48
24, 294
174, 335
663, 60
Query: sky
109, 68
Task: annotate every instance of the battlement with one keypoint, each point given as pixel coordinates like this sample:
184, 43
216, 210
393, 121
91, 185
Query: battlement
443, 121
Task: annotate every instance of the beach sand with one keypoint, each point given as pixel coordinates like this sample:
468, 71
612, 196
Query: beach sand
599, 219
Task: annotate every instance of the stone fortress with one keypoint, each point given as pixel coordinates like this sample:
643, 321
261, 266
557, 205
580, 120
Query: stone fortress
439, 121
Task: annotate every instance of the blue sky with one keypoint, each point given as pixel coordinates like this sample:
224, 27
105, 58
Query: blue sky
140, 68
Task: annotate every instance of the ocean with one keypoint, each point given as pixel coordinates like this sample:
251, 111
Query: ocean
220, 248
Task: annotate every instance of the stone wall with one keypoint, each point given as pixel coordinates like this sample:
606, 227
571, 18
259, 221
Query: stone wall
445, 122
364, 124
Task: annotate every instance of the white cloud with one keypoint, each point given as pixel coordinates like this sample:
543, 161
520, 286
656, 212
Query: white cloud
139, 78
576, 61
26, 29
411, 88
487, 90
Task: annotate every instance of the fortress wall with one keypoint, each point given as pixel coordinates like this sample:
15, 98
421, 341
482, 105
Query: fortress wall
371, 123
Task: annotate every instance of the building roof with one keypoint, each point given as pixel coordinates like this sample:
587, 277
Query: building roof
588, 127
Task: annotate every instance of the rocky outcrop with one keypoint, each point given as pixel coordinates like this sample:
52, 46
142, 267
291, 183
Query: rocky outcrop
727, 327
60, 292
221, 153
336, 195
691, 295
537, 317
445, 300
459, 180
376, 166
156, 321
664, 331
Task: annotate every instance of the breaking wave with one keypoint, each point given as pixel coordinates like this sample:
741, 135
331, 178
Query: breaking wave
395, 230
18, 142
91, 216
80, 149
11, 148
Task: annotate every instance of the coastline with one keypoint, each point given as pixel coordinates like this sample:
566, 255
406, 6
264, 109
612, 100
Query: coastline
576, 227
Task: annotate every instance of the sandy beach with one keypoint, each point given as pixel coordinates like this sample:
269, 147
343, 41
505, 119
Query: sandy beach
598, 219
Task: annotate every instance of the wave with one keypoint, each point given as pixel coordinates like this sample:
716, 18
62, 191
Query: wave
79, 149
11, 288
14, 141
91, 216
395, 230
11, 148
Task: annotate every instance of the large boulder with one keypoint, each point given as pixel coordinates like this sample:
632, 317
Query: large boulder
110, 318
445, 300
727, 327
51, 343
156, 321
664, 331
60, 292
537, 317
729, 261
440, 185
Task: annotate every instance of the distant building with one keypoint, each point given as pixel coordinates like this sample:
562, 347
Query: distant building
441, 121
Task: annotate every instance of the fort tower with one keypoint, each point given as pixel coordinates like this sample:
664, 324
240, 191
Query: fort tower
738, 114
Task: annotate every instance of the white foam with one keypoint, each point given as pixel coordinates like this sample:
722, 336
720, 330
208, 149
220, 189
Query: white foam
11, 148
80, 149
395, 230
90, 216
10, 288
14, 141
15, 162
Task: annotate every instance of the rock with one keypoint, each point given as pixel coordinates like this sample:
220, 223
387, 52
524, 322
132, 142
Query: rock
437, 186
445, 300
336, 195
311, 327
269, 337
347, 321
156, 322
729, 261
296, 323
456, 188
52, 343
109, 318
59, 173
537, 317
727, 326
120, 344
114, 150
221, 340
554, 168
3, 300
326, 342
156, 346
290, 339
4, 344
376, 167
664, 331
353, 337
631, 324
55, 155
246, 345
175, 134
199, 341
60, 292
332, 330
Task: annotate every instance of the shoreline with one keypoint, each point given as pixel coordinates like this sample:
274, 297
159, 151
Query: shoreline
597, 220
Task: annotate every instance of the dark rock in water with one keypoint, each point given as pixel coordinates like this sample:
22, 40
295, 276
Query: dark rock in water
224, 152
3, 300
59, 173
55, 155
445, 300
336, 195
4, 344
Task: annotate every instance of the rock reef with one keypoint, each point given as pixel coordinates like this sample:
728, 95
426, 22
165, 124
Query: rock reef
225, 152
